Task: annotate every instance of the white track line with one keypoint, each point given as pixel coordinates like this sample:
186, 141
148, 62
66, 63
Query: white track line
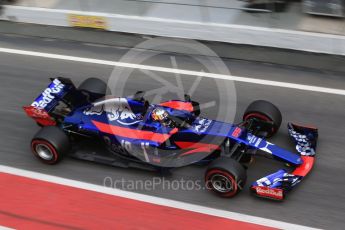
152, 199
5, 228
176, 71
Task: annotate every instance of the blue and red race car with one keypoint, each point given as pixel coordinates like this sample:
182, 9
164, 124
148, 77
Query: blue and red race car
130, 132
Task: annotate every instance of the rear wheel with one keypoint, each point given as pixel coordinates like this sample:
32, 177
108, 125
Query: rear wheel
50, 144
266, 113
225, 177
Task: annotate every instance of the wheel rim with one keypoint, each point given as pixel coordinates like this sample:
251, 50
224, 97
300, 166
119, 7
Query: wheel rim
257, 116
44, 152
260, 117
221, 183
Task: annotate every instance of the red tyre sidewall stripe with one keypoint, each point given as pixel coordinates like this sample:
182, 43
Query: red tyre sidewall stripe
49, 145
224, 173
259, 115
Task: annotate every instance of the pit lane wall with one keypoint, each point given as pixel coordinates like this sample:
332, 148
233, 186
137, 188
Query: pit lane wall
229, 33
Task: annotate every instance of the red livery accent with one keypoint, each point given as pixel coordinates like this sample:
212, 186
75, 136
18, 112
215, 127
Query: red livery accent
186, 145
236, 132
304, 126
274, 193
173, 131
39, 115
196, 147
304, 168
180, 105
198, 150
133, 133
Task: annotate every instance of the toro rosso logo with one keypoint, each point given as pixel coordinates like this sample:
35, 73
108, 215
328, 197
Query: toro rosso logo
117, 110
48, 94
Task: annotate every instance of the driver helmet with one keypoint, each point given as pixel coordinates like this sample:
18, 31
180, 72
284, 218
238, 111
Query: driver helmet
160, 115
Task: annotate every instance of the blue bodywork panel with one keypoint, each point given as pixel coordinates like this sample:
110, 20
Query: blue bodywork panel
127, 114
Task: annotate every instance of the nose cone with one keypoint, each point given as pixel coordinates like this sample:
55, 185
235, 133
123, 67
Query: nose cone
211, 127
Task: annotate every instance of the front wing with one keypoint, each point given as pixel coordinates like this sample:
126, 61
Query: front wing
276, 185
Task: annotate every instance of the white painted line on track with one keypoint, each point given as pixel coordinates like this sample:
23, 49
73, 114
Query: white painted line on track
5, 228
153, 200
177, 71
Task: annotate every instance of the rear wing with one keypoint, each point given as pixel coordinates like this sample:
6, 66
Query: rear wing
276, 185
42, 108
55, 92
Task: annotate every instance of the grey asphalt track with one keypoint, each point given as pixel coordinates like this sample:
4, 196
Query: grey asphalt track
319, 201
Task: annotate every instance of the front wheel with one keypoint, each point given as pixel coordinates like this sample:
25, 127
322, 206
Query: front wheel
225, 177
266, 115
50, 144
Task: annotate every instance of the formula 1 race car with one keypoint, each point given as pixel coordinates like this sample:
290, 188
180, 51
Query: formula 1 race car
130, 132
